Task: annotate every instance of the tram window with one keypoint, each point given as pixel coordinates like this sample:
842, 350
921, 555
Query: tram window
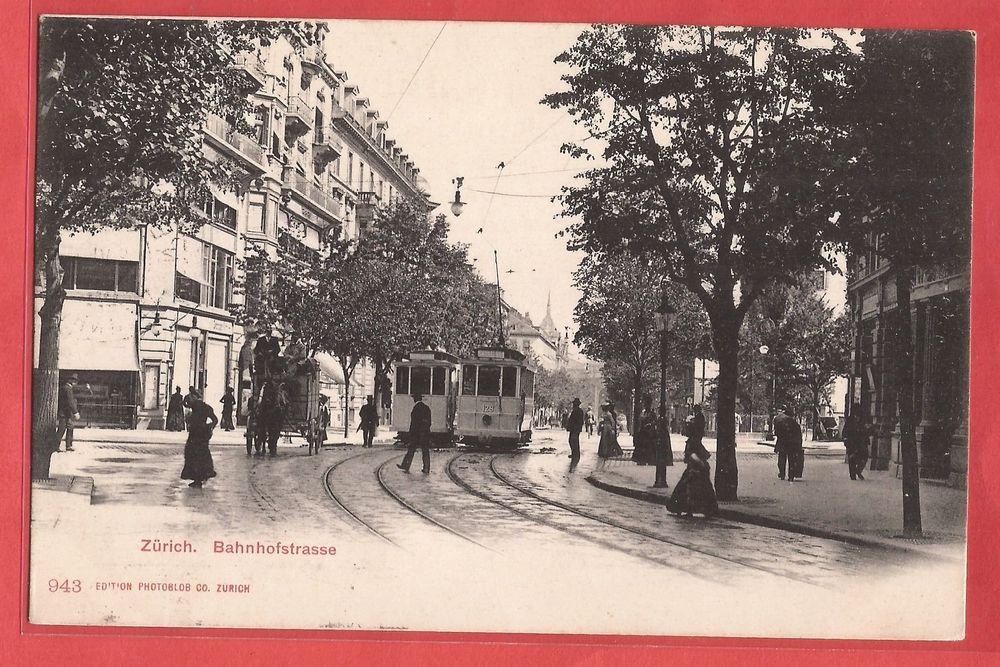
403, 380
468, 380
489, 381
437, 386
509, 384
420, 380
527, 382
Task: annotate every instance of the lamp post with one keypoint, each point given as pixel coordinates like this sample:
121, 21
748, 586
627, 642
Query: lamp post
458, 204
764, 349
665, 318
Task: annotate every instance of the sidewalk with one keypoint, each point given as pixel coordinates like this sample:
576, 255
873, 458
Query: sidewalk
334, 436
825, 503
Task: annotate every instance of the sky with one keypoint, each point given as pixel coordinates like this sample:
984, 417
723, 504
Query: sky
473, 104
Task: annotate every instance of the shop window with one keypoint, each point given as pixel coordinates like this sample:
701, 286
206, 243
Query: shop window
107, 275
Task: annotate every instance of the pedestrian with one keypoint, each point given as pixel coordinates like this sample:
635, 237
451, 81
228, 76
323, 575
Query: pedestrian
574, 425
187, 403
420, 435
695, 425
251, 432
198, 465
324, 416
589, 421
228, 402
175, 411
694, 493
68, 412
788, 445
609, 447
856, 442
368, 421
644, 452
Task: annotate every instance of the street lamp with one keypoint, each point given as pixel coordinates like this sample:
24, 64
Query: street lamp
764, 349
458, 204
666, 316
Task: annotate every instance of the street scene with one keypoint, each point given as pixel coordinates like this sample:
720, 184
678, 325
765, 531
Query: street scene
287, 373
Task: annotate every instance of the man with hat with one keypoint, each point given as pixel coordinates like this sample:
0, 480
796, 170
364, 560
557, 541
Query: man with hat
419, 436
788, 444
67, 412
574, 425
368, 421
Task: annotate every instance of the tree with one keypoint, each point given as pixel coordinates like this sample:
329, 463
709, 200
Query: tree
701, 130
121, 107
911, 184
616, 313
554, 389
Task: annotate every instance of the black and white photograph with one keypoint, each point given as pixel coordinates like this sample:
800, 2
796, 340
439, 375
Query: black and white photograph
543, 328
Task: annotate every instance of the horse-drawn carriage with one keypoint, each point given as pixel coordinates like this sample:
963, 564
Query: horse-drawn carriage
285, 400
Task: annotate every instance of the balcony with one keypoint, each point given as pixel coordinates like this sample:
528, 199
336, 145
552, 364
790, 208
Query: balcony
252, 68
316, 197
239, 143
296, 248
326, 146
368, 199
298, 118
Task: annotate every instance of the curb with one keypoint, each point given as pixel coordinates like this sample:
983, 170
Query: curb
766, 522
71, 485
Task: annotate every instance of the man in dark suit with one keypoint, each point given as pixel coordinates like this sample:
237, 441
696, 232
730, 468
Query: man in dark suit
67, 412
368, 421
788, 445
574, 425
420, 435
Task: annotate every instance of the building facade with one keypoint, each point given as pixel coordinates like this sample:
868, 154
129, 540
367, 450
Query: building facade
940, 335
151, 309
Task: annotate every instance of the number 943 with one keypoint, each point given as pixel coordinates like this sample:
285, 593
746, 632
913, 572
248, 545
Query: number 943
64, 586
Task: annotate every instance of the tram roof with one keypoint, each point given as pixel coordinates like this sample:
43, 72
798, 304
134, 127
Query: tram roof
496, 354
430, 355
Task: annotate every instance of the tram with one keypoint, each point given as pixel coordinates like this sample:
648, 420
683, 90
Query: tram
431, 374
496, 398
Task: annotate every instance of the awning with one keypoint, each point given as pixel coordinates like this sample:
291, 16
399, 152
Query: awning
330, 367
122, 244
98, 336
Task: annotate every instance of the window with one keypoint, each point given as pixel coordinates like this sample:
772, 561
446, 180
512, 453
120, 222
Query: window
468, 380
214, 287
255, 217
263, 114
403, 380
219, 212
109, 275
350, 169
420, 380
489, 381
438, 385
527, 383
509, 384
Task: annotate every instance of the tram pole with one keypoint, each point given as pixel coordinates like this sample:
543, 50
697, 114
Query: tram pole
500, 337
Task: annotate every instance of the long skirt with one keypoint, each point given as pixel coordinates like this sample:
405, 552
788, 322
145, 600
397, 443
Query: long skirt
609, 447
694, 493
175, 420
645, 451
198, 464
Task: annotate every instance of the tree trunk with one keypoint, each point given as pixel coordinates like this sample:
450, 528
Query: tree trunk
45, 379
725, 338
815, 418
381, 381
904, 375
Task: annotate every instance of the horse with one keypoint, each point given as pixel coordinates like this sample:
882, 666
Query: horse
268, 417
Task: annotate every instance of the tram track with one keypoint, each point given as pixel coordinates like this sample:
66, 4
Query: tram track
636, 531
380, 477
340, 502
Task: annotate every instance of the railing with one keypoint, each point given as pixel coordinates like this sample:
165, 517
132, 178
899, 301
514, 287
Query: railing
299, 108
110, 413
305, 187
242, 143
296, 248
368, 198
339, 113
251, 64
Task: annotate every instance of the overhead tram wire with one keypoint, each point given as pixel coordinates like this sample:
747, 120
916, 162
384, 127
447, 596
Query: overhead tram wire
415, 72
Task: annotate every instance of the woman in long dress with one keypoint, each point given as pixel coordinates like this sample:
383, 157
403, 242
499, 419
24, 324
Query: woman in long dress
198, 465
175, 411
608, 447
694, 493
645, 439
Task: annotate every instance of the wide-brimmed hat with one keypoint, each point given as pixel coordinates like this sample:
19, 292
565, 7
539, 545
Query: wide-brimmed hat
576, 401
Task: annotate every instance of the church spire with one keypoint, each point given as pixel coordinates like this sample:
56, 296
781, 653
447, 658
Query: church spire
547, 326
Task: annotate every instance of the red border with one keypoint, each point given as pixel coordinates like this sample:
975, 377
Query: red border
28, 644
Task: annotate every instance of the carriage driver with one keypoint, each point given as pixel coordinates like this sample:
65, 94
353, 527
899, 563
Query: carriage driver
420, 435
